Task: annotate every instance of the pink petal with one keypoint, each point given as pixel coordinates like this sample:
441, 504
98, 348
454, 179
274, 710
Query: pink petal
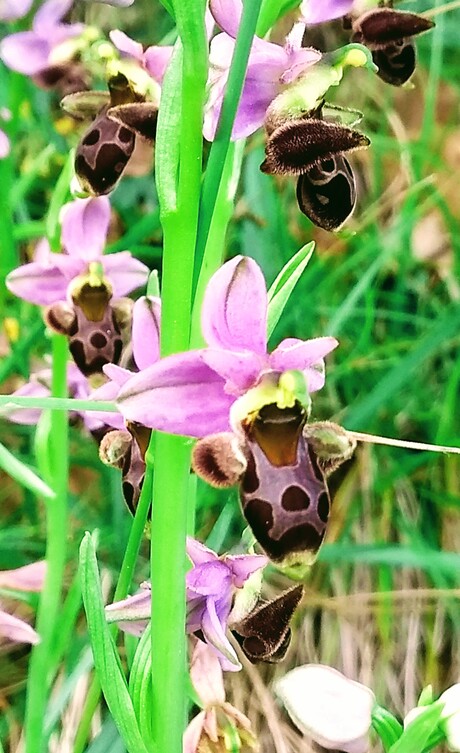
28, 416
26, 578
227, 15
118, 377
198, 552
240, 370
25, 52
179, 394
126, 45
10, 10
299, 62
206, 675
304, 355
16, 630
234, 311
214, 633
38, 284
317, 11
210, 579
50, 13
244, 565
4, 144
156, 60
193, 733
85, 224
146, 331
124, 272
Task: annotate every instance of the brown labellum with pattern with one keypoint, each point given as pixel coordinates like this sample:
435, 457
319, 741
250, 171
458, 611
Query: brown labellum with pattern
107, 145
388, 34
94, 325
326, 194
264, 635
283, 489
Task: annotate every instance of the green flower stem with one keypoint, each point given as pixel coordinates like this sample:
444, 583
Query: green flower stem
57, 403
56, 525
179, 215
221, 143
124, 581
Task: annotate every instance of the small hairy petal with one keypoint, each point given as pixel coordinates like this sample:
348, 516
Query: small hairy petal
38, 284
179, 394
304, 355
16, 630
239, 369
234, 311
27, 578
146, 331
317, 11
85, 224
125, 272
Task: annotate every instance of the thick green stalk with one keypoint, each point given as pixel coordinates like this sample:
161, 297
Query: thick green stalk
56, 527
179, 215
221, 143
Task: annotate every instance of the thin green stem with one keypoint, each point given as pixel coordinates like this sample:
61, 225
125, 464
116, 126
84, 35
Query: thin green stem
221, 143
56, 525
179, 215
58, 403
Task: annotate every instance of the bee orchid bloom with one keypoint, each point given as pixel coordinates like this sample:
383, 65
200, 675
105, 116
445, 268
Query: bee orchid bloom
153, 59
85, 224
28, 578
270, 67
192, 393
327, 706
31, 52
212, 588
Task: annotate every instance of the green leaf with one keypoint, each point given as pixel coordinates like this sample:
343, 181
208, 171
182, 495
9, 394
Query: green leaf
140, 684
281, 290
388, 728
417, 733
106, 659
24, 475
271, 11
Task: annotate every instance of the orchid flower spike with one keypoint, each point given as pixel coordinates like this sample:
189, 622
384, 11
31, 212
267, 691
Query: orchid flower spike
31, 52
27, 578
328, 707
194, 393
270, 67
85, 225
207, 730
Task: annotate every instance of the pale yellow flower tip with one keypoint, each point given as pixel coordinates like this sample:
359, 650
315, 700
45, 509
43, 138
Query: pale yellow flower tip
356, 58
327, 706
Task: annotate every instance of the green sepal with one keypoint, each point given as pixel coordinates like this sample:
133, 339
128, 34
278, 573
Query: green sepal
417, 734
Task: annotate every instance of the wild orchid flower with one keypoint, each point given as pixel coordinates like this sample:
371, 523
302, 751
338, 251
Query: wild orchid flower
207, 730
270, 67
31, 52
85, 224
327, 706
212, 585
27, 578
193, 393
